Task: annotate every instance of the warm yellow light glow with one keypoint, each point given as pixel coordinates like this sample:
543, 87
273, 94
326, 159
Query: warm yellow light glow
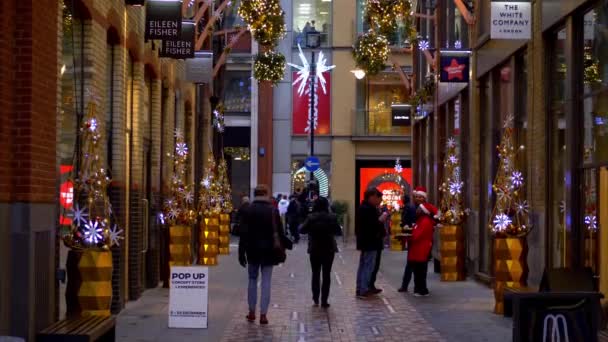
62, 70
359, 74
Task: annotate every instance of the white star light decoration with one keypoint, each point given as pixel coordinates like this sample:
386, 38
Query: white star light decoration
80, 214
398, 167
92, 232
509, 121
591, 222
452, 159
458, 44
517, 179
424, 45
501, 222
455, 187
181, 149
189, 196
206, 182
116, 236
173, 213
179, 134
93, 125
304, 72
451, 142
522, 208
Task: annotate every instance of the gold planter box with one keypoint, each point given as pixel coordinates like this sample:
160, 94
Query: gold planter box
209, 240
89, 288
510, 267
180, 252
451, 249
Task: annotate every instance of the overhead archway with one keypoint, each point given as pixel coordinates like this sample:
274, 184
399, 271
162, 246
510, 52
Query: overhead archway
298, 181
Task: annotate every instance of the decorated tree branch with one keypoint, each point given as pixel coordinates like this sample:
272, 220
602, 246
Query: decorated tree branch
451, 205
91, 215
510, 214
209, 210
179, 207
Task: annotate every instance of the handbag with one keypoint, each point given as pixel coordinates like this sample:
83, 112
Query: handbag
278, 248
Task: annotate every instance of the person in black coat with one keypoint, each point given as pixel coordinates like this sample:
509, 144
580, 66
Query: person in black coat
370, 232
293, 218
322, 227
261, 231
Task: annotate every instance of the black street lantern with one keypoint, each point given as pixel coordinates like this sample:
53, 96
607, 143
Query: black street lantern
135, 2
313, 39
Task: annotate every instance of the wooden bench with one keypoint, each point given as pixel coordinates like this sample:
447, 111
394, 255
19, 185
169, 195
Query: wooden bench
82, 329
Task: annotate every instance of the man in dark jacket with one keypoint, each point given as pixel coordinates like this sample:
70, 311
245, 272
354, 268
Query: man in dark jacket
261, 231
369, 229
293, 218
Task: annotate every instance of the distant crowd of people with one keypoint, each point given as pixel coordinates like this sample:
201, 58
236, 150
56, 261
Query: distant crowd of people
268, 226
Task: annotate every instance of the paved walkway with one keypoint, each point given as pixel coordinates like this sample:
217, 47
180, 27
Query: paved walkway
454, 312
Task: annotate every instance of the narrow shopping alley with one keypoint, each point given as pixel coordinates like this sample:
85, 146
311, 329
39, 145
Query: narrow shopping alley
454, 311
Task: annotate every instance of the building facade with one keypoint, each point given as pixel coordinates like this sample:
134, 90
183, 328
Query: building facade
554, 85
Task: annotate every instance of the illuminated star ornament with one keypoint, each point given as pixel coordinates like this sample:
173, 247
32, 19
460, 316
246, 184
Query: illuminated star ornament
591, 222
189, 196
522, 207
181, 149
452, 159
458, 44
206, 182
398, 167
179, 134
455, 187
93, 124
92, 232
451, 142
116, 235
80, 214
517, 179
501, 222
304, 72
424, 45
173, 213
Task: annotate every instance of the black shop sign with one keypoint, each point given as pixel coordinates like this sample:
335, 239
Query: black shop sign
401, 115
454, 68
183, 47
163, 19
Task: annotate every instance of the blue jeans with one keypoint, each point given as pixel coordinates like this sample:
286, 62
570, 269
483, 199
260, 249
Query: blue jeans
367, 261
254, 271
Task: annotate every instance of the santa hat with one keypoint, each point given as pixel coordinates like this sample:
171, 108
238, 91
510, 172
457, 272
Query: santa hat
428, 209
420, 191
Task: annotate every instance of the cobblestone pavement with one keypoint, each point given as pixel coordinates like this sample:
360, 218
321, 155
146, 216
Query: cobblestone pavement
455, 311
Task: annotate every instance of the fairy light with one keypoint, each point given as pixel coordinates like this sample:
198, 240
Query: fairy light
371, 52
269, 66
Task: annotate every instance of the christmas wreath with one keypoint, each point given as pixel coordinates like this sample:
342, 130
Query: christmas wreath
265, 18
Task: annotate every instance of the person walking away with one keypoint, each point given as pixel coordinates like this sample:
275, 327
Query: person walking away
322, 228
369, 228
372, 281
293, 218
421, 241
408, 220
261, 236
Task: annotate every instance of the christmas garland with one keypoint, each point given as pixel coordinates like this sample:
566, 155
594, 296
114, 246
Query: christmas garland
269, 66
265, 18
371, 52
384, 14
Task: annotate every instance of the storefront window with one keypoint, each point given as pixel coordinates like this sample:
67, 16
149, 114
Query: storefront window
385, 92
311, 16
560, 238
237, 92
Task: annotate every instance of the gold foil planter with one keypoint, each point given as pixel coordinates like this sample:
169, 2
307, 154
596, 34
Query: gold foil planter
224, 237
451, 249
89, 288
209, 240
396, 243
510, 267
180, 253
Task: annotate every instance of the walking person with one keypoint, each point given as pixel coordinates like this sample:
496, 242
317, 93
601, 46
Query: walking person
369, 230
283, 205
408, 220
293, 218
261, 246
322, 227
421, 241
372, 281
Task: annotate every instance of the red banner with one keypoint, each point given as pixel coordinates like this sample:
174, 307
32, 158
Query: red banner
301, 110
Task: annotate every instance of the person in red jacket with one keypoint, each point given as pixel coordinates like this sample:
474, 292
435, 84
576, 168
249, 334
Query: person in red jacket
421, 240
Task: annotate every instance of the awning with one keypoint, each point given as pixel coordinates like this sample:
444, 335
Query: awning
448, 91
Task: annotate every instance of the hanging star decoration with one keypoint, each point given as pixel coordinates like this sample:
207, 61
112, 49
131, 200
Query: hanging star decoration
218, 118
80, 214
424, 45
305, 69
189, 196
458, 44
522, 207
517, 179
501, 222
93, 232
398, 167
116, 235
591, 222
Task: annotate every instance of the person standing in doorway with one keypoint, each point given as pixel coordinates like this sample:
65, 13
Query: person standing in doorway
261, 231
369, 230
322, 228
421, 241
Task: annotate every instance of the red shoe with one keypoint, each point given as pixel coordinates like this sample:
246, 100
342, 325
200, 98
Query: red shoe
251, 317
263, 320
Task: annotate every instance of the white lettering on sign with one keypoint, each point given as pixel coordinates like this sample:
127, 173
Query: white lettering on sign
511, 20
188, 297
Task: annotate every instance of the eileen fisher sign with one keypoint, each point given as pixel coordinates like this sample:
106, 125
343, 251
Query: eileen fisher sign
188, 297
163, 19
511, 20
183, 47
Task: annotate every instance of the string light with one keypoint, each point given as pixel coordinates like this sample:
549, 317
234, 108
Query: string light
371, 52
269, 66
451, 204
178, 207
265, 19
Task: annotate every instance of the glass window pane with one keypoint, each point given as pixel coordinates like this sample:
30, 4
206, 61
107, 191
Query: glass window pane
237, 92
311, 16
385, 90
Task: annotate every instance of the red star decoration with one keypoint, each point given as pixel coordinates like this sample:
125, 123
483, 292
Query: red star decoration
455, 70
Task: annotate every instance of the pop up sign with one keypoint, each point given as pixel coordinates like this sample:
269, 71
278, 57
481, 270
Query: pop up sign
163, 19
188, 297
